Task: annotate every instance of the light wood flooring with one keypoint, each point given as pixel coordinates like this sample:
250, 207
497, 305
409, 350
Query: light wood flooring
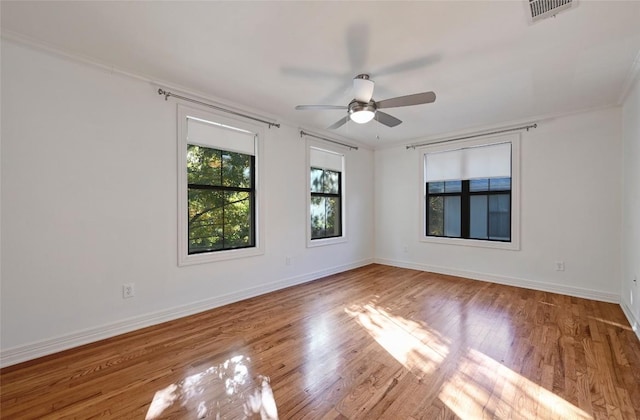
375, 342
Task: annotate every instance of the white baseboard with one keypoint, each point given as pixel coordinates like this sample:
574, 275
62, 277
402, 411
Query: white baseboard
31, 351
509, 281
633, 321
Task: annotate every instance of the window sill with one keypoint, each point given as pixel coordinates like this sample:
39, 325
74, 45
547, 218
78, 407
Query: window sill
328, 241
218, 256
513, 245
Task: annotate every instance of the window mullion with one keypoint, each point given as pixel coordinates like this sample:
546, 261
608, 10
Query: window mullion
252, 199
488, 215
224, 198
465, 210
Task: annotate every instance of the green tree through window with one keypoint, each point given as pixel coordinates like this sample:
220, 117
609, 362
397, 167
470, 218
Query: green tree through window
326, 203
221, 197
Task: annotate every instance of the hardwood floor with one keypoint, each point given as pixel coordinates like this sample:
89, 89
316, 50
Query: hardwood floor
375, 342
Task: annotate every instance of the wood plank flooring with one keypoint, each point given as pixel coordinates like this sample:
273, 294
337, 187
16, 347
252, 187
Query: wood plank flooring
375, 342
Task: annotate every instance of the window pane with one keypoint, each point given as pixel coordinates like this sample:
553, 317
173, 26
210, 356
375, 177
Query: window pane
203, 165
332, 227
331, 182
478, 217
500, 217
316, 180
236, 170
318, 217
219, 220
326, 218
237, 220
436, 187
453, 186
500, 184
452, 217
205, 220
435, 214
481, 184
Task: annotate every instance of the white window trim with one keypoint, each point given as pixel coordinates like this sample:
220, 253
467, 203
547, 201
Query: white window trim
311, 243
184, 259
515, 141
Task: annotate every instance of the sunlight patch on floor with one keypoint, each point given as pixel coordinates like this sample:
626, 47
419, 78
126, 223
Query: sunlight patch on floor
477, 386
419, 350
481, 386
226, 390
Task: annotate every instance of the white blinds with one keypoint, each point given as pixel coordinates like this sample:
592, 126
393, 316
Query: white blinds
220, 136
324, 159
491, 161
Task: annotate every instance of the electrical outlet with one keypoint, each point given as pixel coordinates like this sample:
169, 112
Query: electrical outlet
559, 265
128, 290
287, 260
405, 249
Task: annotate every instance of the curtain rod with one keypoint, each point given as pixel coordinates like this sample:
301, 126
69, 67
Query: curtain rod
507, 130
184, 98
303, 133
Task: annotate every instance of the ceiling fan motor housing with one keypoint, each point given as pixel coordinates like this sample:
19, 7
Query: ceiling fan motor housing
363, 88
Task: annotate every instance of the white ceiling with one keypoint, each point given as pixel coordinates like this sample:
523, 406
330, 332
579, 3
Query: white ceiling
486, 62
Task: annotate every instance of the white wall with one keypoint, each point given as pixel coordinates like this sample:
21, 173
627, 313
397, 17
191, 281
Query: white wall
89, 203
631, 208
570, 211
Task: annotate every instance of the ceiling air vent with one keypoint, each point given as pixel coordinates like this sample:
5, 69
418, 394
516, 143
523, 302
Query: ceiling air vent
541, 9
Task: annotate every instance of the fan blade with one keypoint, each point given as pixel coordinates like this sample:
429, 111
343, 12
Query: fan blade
339, 123
386, 119
415, 99
409, 65
358, 36
306, 107
311, 73
340, 94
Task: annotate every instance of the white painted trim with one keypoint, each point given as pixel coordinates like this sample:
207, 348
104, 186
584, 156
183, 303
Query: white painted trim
184, 258
515, 140
339, 150
508, 281
31, 351
633, 321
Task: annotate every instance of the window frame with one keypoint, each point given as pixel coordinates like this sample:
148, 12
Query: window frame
314, 242
514, 244
466, 194
327, 195
251, 191
184, 258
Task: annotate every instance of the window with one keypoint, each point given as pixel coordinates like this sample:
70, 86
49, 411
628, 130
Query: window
474, 209
470, 193
220, 199
326, 198
326, 202
218, 188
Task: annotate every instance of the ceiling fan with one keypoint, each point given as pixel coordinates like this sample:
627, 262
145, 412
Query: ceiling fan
363, 108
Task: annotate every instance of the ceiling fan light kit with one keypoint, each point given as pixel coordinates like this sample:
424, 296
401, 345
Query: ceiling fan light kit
360, 112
